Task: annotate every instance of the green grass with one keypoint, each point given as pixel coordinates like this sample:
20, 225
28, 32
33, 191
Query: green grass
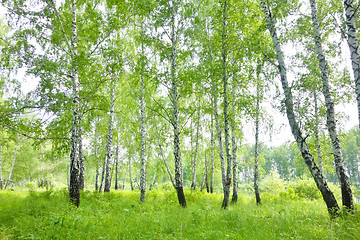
120, 215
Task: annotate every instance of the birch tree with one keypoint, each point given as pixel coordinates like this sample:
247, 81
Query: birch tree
330, 113
320, 181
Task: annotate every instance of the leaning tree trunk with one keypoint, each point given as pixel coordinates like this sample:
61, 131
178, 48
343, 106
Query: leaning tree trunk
346, 192
318, 146
74, 191
117, 166
175, 120
11, 171
234, 149
256, 170
109, 138
226, 115
193, 183
142, 152
319, 179
164, 159
152, 182
353, 43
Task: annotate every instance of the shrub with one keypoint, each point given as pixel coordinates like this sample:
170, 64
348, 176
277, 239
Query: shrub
304, 188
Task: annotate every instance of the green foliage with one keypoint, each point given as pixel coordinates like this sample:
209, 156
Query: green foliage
120, 215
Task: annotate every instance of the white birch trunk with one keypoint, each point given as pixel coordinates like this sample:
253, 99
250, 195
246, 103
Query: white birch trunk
142, 153
234, 149
175, 120
346, 193
256, 170
82, 162
319, 179
109, 139
74, 191
193, 184
212, 143
1, 178
226, 115
353, 43
131, 181
117, 166
318, 146
11, 170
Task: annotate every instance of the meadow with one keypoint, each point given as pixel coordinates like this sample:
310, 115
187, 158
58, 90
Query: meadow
47, 214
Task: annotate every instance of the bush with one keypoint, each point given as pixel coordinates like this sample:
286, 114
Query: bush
304, 188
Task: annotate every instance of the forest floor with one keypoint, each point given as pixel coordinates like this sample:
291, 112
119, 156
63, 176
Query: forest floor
120, 215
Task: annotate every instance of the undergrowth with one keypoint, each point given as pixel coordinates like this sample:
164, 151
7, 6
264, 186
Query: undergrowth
120, 215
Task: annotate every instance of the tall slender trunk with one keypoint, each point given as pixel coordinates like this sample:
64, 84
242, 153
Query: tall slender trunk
193, 183
142, 152
1, 178
205, 181
319, 179
346, 193
11, 170
175, 120
82, 162
131, 182
124, 181
212, 143
97, 179
256, 170
117, 166
74, 191
318, 146
234, 149
226, 115
353, 43
109, 138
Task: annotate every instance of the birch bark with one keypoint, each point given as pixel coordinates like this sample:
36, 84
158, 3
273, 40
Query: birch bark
142, 153
11, 170
319, 179
234, 149
74, 191
256, 170
82, 162
353, 43
346, 192
131, 182
175, 120
1, 178
117, 166
226, 115
109, 139
212, 143
318, 146
193, 184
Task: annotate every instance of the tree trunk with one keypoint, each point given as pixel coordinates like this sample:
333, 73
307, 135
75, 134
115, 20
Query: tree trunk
109, 138
82, 162
1, 179
131, 182
152, 182
193, 183
205, 179
346, 193
124, 181
226, 115
256, 170
103, 175
318, 146
175, 120
117, 166
74, 191
142, 152
353, 43
97, 179
234, 149
11, 170
319, 179
212, 142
